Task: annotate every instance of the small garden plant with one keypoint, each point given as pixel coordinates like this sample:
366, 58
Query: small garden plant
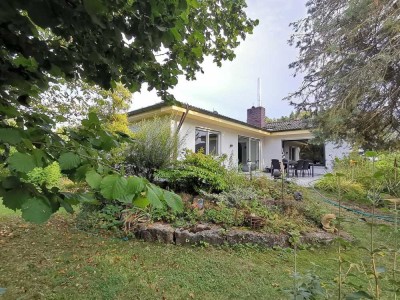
216, 195
357, 181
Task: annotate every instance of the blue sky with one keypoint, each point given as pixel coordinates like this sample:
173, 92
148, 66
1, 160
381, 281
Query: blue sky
232, 89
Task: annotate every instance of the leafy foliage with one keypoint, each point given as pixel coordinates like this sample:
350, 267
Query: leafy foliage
98, 218
360, 173
85, 163
224, 215
128, 190
155, 147
234, 197
197, 171
351, 190
102, 43
49, 176
308, 287
68, 102
349, 55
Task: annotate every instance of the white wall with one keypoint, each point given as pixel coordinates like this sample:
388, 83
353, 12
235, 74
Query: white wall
271, 146
228, 139
333, 151
272, 150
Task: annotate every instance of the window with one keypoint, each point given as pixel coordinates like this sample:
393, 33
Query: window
292, 153
208, 141
249, 150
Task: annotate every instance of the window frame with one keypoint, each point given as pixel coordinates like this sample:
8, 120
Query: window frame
208, 132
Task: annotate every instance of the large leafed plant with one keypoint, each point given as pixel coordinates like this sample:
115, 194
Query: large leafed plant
101, 42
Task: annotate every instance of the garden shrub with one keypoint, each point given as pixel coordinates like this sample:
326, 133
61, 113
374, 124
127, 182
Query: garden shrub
350, 190
95, 218
271, 189
234, 196
196, 172
155, 147
49, 176
223, 215
361, 169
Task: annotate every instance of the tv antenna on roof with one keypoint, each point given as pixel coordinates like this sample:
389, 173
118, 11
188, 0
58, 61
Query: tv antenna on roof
259, 91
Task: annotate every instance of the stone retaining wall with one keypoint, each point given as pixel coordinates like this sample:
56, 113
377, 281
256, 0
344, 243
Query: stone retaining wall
215, 235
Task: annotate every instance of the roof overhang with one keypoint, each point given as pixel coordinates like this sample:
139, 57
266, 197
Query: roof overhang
296, 132
194, 115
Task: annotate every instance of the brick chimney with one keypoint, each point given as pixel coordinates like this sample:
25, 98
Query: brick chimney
256, 116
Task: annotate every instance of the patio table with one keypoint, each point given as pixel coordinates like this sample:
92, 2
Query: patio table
293, 164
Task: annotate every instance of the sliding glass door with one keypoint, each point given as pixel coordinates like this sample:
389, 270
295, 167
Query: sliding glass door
249, 150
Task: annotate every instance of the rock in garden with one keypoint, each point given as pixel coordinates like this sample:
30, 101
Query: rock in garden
298, 196
156, 232
262, 239
213, 236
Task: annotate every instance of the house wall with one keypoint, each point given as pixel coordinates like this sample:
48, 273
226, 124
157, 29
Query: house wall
333, 151
270, 146
228, 139
273, 145
273, 149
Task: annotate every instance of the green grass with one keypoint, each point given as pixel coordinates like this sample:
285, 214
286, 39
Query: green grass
56, 261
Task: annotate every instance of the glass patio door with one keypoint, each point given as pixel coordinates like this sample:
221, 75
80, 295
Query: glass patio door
249, 150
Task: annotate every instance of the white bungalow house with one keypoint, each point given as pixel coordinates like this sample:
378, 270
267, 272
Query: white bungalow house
254, 140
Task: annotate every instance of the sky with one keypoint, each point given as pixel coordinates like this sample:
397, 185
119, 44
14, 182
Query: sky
232, 89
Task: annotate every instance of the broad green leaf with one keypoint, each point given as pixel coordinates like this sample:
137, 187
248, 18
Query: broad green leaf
338, 174
177, 36
67, 206
9, 111
183, 4
92, 120
328, 175
93, 179
87, 198
80, 173
199, 36
39, 155
127, 198
94, 7
27, 63
193, 3
197, 51
159, 192
22, 162
71, 198
10, 182
107, 142
153, 198
134, 87
10, 135
173, 201
141, 202
358, 295
371, 154
69, 161
14, 199
379, 174
113, 187
135, 185
36, 210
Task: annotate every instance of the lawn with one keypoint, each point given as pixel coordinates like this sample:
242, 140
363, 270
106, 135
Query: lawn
56, 261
